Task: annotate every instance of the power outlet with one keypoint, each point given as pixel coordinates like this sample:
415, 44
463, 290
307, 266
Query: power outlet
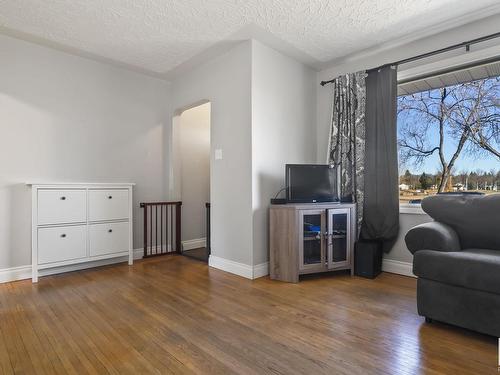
218, 154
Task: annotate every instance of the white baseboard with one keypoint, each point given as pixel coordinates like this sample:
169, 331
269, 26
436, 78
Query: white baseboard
24, 272
138, 254
261, 270
15, 273
82, 266
230, 266
400, 268
240, 269
194, 244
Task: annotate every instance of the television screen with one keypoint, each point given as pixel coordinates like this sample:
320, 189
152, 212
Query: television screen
309, 183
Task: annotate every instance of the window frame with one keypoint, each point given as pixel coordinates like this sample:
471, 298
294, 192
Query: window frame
430, 67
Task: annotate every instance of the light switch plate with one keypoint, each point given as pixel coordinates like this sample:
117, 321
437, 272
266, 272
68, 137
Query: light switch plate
218, 154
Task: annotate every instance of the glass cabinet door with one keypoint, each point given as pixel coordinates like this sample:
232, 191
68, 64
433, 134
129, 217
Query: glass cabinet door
312, 244
339, 222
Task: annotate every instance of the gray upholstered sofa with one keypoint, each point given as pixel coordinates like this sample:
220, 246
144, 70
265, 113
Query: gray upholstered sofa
457, 261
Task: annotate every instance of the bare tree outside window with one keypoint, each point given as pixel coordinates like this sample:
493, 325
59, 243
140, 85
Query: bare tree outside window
446, 125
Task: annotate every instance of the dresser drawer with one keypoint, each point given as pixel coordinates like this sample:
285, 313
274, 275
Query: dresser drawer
108, 204
108, 238
58, 244
61, 206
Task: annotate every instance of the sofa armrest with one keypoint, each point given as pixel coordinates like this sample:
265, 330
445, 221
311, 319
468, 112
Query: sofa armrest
432, 236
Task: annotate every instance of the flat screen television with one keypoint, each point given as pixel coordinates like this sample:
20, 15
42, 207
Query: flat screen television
311, 183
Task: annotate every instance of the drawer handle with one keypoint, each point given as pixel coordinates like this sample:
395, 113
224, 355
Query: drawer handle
110, 230
63, 198
110, 197
63, 235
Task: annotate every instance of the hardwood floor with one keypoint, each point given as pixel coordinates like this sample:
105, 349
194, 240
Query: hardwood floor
175, 315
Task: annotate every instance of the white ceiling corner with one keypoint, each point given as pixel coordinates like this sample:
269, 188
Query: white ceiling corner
164, 38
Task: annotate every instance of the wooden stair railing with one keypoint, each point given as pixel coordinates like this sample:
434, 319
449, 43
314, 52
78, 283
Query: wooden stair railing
162, 228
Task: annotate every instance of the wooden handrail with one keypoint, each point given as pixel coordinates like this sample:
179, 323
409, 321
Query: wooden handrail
142, 204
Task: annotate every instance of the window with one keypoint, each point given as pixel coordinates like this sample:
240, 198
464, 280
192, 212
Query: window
449, 134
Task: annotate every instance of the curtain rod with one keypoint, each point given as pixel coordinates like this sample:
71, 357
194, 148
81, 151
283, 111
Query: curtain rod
436, 52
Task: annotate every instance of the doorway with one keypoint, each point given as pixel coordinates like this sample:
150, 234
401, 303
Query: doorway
192, 161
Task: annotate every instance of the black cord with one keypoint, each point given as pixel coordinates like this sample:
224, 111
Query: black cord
278, 193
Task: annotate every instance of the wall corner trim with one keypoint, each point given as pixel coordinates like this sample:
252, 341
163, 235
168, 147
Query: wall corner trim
261, 270
240, 269
398, 267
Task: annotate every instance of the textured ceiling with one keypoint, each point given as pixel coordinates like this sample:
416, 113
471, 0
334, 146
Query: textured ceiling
160, 35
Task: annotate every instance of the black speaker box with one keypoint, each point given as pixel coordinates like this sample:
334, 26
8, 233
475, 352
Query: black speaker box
368, 258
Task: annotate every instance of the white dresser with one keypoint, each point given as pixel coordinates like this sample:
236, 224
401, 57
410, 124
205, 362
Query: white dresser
80, 223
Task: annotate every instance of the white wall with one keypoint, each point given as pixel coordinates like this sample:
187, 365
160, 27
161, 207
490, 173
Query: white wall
66, 118
407, 221
262, 117
194, 147
471, 31
283, 131
225, 82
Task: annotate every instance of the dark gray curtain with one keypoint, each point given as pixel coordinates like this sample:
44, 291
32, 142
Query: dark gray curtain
381, 200
346, 149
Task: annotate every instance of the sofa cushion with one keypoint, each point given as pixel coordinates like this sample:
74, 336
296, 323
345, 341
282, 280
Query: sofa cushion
471, 268
475, 218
